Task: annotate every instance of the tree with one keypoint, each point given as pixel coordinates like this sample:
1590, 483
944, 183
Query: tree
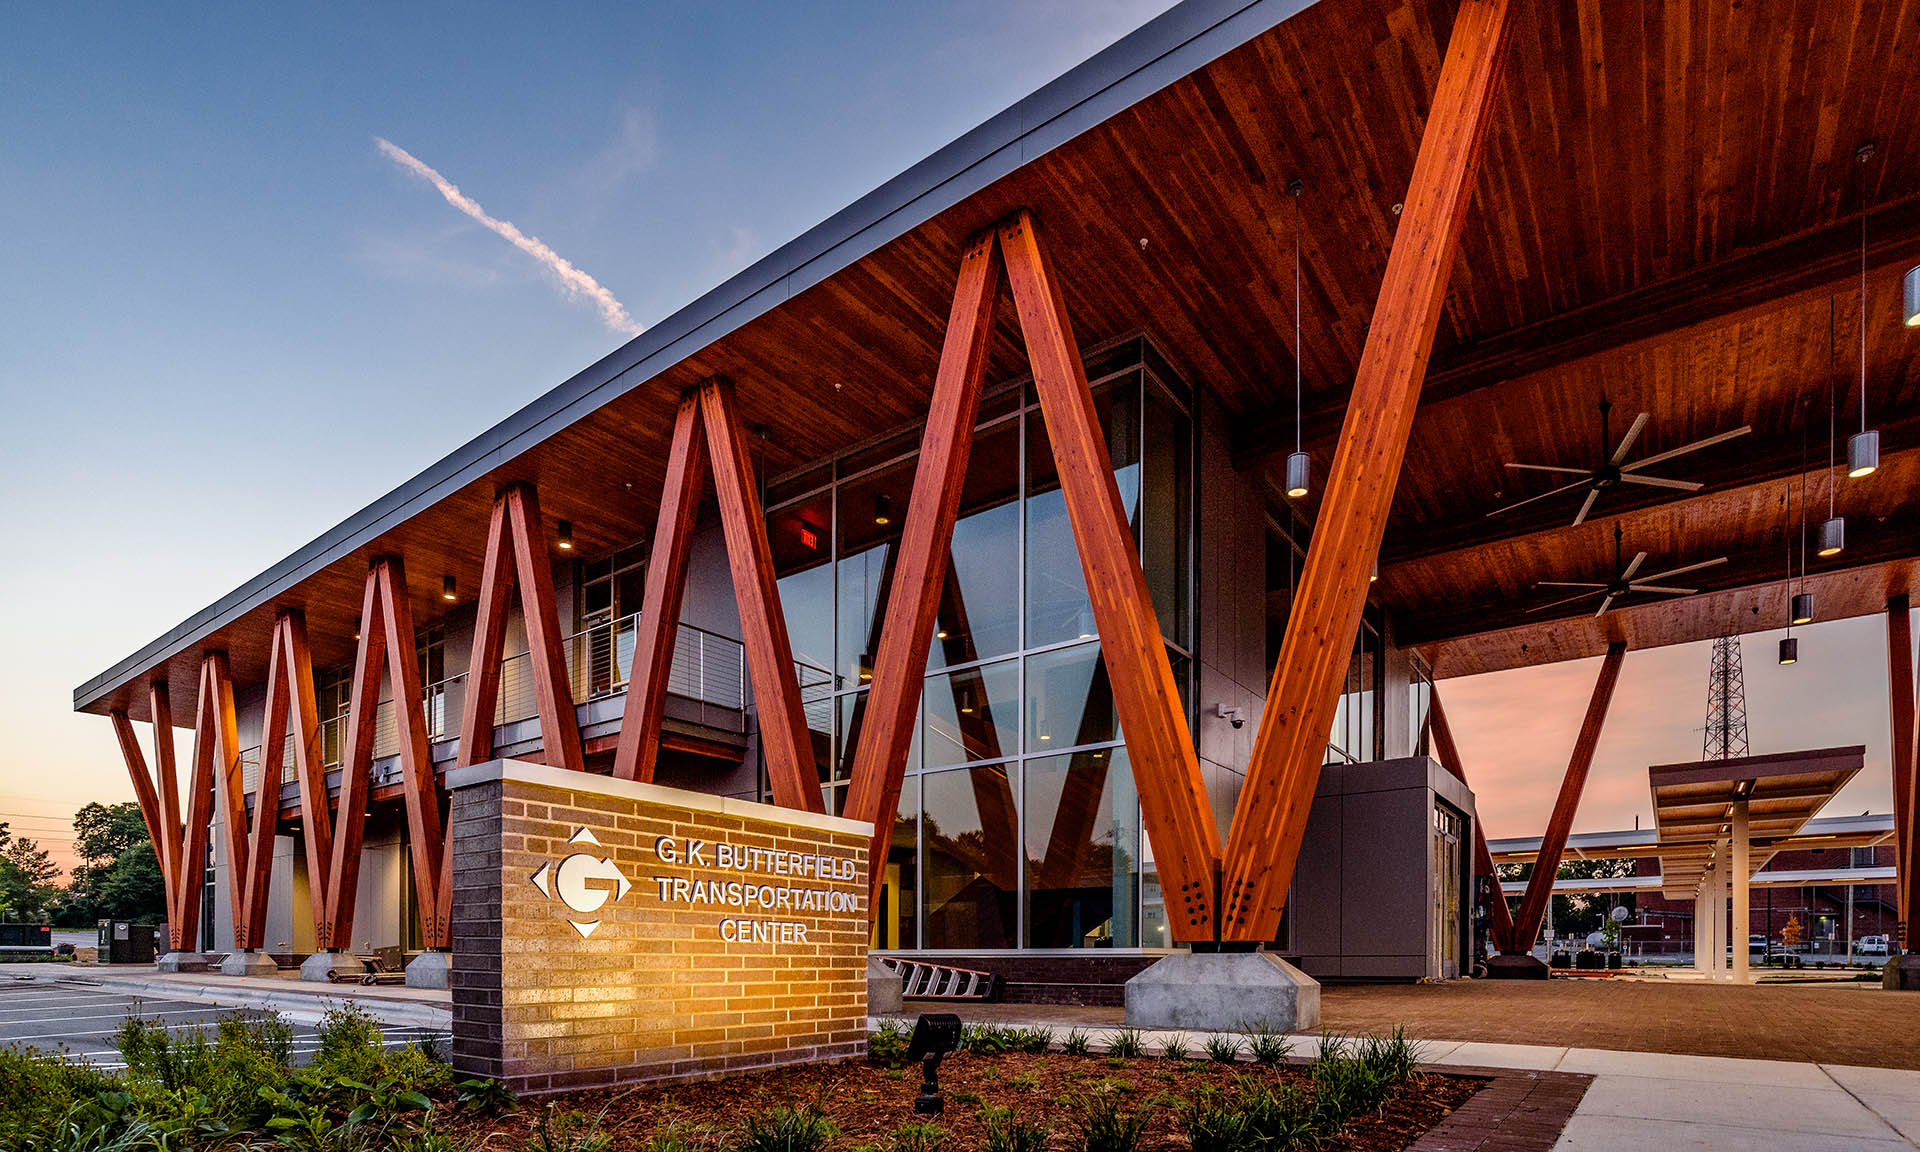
118, 877
1578, 913
26, 877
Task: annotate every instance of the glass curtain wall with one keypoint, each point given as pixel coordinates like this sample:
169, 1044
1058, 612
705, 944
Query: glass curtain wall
1018, 823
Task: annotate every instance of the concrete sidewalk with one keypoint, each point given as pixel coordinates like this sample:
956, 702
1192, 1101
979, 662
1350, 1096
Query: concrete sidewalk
303, 1001
1671, 1102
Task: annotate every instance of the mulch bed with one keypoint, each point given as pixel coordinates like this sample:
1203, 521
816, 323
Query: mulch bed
869, 1103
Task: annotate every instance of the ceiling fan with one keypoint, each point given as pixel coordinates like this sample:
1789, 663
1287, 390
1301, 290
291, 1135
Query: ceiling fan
1612, 471
1625, 582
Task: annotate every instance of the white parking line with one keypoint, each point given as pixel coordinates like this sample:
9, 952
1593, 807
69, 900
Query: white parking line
111, 1016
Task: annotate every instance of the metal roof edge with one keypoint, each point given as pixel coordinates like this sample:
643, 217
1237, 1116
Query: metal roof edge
1159, 52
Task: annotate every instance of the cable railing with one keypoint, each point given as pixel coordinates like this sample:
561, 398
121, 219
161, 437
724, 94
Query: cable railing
707, 668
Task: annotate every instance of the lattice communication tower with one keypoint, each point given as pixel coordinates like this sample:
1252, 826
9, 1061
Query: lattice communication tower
1726, 703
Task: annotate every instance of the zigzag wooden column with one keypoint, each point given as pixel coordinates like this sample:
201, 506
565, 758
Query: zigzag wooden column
1553, 845
290, 698
1271, 817
386, 655
516, 556
1500, 925
784, 737
639, 748
919, 562
1906, 803
160, 809
216, 756
1146, 699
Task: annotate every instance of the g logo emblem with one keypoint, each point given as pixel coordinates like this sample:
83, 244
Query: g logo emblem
582, 881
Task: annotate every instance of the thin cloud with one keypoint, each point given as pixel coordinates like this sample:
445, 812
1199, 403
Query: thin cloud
577, 283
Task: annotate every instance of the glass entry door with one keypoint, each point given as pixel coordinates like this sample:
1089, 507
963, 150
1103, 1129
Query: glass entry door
1443, 949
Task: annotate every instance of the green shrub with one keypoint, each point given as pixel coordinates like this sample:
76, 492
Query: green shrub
785, 1129
1102, 1126
1215, 1124
1126, 1044
888, 1044
486, 1096
567, 1132
41, 1094
351, 1045
987, 1039
1033, 1040
1008, 1131
1279, 1118
1344, 1085
1076, 1043
919, 1136
1266, 1044
1394, 1058
1175, 1048
1223, 1049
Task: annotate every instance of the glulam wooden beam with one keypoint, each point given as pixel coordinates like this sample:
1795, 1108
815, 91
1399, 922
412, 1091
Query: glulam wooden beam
426, 839
1271, 818
335, 929
1906, 805
1553, 844
785, 740
1173, 797
292, 653
196, 827
143, 795
166, 779
216, 754
290, 699
646, 705
920, 561
1500, 916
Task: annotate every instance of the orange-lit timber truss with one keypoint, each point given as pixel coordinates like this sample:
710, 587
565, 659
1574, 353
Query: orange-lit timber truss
1271, 817
1905, 734
1630, 296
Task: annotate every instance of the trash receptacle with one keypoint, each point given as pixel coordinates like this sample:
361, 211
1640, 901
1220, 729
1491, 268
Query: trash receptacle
124, 942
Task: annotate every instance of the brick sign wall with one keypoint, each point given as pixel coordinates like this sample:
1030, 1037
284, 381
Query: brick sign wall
608, 932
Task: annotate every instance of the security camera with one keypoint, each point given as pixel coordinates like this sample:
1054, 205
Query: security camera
1232, 716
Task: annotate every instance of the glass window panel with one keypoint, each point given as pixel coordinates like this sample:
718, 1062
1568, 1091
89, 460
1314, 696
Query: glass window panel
1069, 701
851, 709
979, 613
1057, 606
972, 714
800, 537
970, 865
629, 589
870, 513
894, 926
781, 491
1163, 525
1082, 840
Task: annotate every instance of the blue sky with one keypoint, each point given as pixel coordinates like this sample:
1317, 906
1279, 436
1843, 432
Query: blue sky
230, 321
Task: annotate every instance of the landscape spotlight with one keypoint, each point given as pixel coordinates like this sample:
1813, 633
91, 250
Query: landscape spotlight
935, 1035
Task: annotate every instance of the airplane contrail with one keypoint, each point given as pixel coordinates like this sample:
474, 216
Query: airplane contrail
576, 282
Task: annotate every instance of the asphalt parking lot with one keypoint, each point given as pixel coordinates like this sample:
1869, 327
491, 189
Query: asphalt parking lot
79, 1022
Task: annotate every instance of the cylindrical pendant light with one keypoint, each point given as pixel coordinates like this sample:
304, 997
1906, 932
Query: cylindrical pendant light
1299, 464
447, 589
1833, 535
1803, 608
1912, 309
1789, 650
1863, 447
1863, 454
564, 536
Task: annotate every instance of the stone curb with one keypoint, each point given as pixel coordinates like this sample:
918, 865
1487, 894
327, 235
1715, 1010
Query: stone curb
229, 992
